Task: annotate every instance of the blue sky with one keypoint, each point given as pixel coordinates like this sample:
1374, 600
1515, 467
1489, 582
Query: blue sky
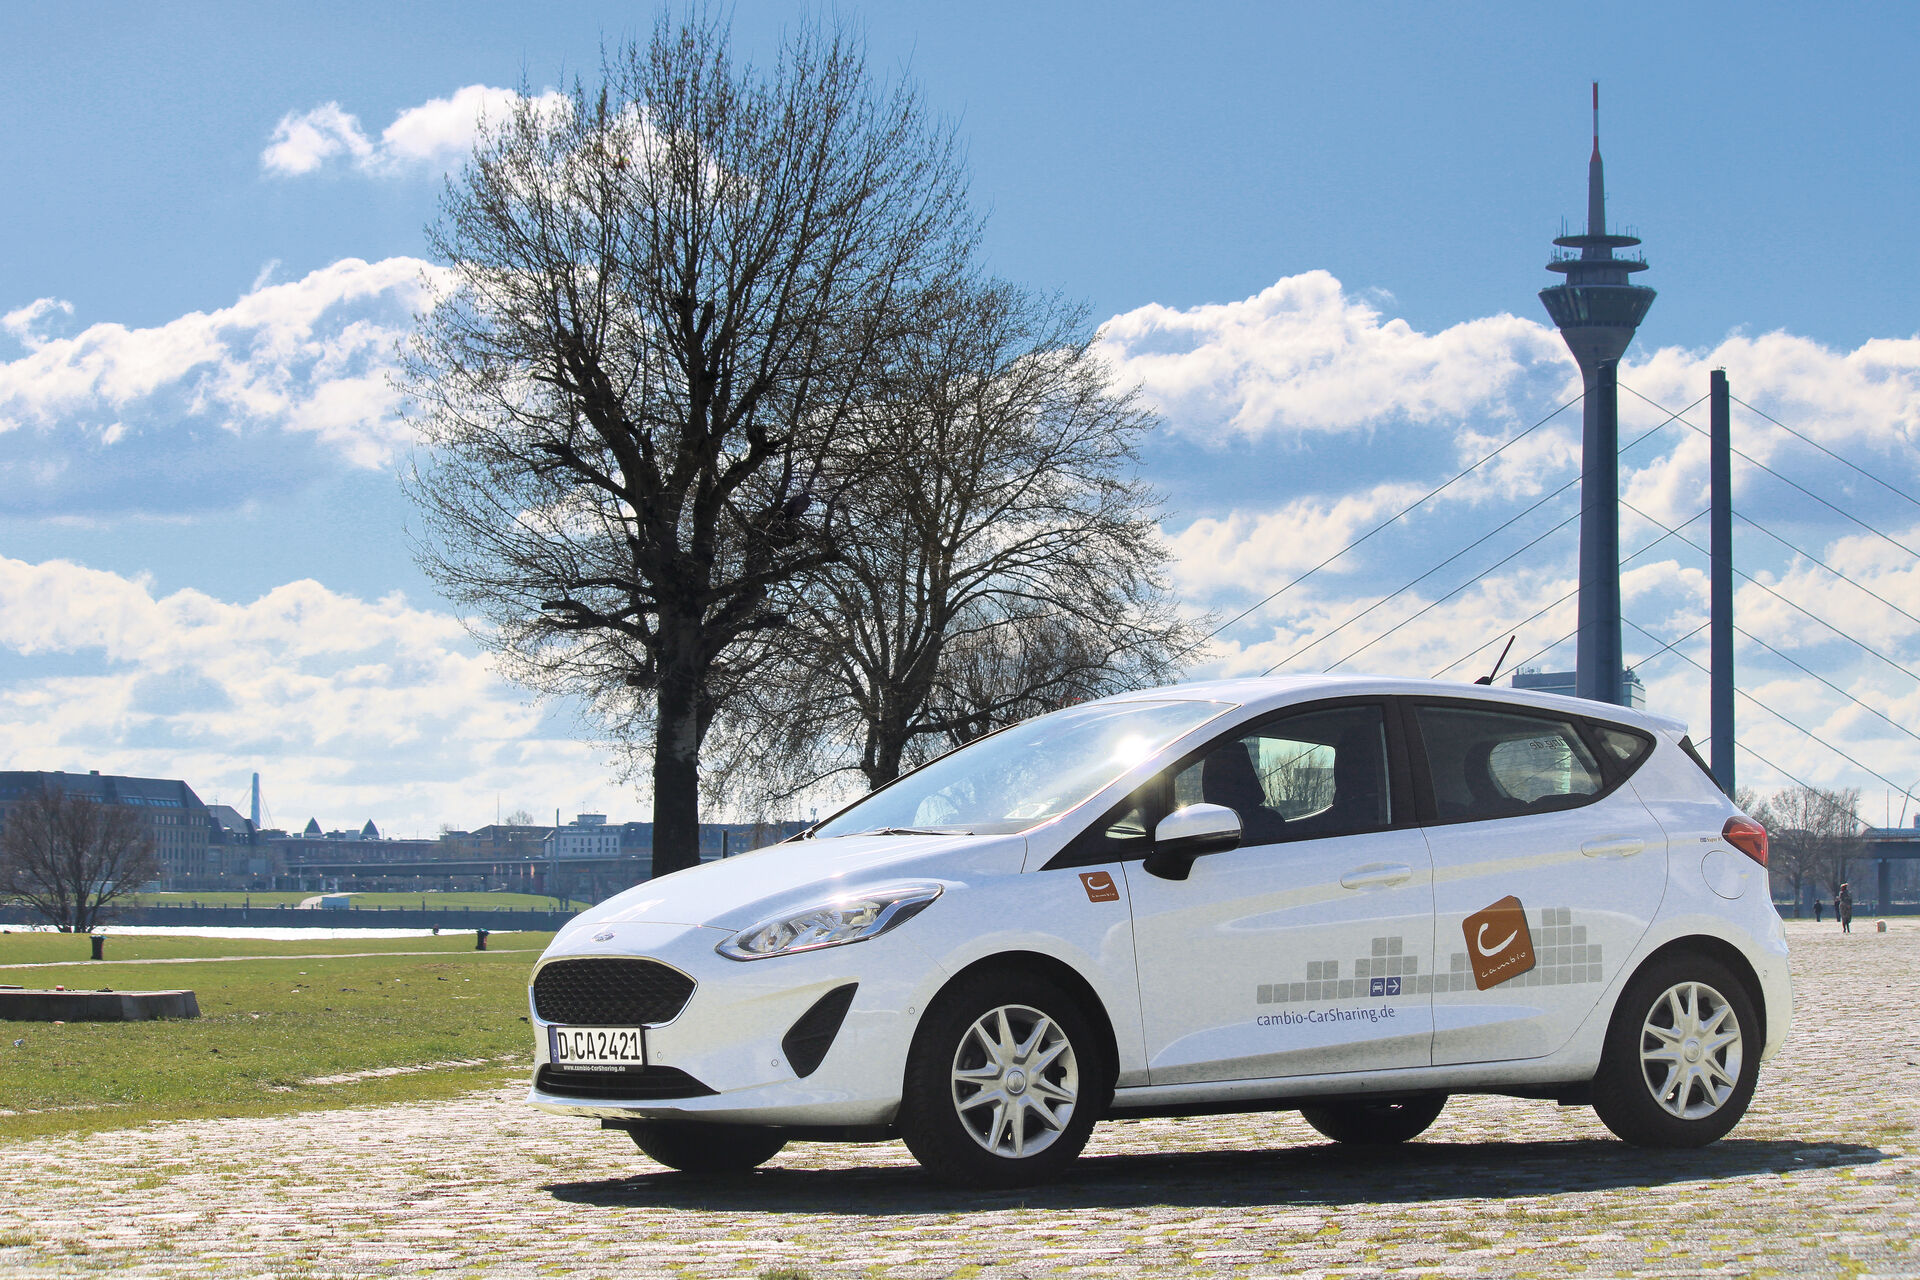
1321, 230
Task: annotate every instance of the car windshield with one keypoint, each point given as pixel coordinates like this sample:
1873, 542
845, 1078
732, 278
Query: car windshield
1025, 775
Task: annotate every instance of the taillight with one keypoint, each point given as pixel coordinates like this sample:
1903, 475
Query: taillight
1746, 835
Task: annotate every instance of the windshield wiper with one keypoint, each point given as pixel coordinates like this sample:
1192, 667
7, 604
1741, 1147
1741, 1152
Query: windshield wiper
911, 831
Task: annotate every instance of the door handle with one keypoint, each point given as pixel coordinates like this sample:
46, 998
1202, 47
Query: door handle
1376, 875
1613, 847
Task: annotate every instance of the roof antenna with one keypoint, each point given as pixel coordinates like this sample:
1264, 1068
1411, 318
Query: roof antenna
1488, 678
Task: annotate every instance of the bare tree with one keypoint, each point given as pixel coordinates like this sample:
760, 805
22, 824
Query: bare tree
1004, 561
668, 303
70, 858
1813, 835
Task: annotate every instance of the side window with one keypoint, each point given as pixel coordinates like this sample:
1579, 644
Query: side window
1495, 764
1321, 773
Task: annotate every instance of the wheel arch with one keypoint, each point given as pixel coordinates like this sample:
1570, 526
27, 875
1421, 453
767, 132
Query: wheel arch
1716, 949
1076, 985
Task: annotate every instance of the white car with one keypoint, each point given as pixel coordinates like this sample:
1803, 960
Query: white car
1350, 896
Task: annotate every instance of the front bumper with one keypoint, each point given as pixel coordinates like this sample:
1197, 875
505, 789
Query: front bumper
727, 1040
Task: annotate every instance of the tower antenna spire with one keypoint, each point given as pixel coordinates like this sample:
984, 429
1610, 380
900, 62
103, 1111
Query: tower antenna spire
1597, 311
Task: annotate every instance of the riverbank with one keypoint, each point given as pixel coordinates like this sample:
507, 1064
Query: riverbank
449, 919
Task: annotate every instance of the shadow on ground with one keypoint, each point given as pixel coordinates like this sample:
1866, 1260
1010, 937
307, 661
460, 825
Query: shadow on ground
1313, 1175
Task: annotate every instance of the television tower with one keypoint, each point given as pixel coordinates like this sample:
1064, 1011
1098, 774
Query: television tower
1597, 311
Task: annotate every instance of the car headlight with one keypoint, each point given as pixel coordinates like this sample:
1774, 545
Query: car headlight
853, 917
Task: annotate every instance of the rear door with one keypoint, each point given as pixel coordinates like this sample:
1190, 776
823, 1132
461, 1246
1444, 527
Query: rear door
1547, 871
1300, 952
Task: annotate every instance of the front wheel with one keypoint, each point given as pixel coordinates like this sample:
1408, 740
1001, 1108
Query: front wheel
1006, 1076
1682, 1055
706, 1148
1375, 1124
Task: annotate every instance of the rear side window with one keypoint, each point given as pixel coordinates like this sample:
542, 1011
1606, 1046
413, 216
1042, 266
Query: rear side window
1498, 764
1625, 748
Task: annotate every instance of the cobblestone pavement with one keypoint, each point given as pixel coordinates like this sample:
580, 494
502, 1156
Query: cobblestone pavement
1822, 1178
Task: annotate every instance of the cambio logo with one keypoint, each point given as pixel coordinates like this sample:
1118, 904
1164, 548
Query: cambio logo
1498, 942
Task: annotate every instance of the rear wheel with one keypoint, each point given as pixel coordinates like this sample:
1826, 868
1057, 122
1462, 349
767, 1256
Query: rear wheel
1375, 1124
1682, 1055
1004, 1081
706, 1148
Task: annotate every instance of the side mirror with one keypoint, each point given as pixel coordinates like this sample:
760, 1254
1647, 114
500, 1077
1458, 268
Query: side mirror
1186, 834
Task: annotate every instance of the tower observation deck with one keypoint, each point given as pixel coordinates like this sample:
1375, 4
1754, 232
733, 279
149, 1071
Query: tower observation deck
1597, 311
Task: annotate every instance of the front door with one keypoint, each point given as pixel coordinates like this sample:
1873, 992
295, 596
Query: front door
1302, 951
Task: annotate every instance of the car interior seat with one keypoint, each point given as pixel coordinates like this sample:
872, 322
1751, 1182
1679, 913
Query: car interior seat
1488, 799
1359, 796
1227, 777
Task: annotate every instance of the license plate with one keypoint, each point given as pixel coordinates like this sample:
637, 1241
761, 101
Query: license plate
597, 1048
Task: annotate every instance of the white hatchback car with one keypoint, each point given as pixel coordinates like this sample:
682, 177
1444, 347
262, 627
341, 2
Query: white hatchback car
1349, 896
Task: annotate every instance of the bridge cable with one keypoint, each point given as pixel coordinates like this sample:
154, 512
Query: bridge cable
1456, 555
1430, 605
1855, 640
1395, 516
1688, 658
1822, 448
1829, 568
1350, 620
1864, 706
1512, 629
1783, 479
1450, 559
1808, 787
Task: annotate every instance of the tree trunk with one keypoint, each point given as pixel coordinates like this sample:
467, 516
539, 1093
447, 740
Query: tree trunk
881, 760
676, 753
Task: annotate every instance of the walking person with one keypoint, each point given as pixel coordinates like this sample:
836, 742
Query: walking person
1819, 905
1843, 908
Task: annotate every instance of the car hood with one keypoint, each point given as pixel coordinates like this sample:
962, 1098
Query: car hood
739, 891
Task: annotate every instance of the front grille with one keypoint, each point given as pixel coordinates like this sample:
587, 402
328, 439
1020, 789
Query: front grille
608, 991
645, 1082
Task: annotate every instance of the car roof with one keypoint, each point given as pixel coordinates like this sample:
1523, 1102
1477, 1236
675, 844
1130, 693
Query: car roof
1260, 693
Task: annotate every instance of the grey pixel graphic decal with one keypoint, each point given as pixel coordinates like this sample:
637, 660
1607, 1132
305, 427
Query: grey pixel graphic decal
1563, 957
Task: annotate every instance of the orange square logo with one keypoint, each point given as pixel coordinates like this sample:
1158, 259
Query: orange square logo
1499, 945
1100, 886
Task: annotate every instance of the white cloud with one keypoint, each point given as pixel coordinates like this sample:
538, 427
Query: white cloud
24, 323
88, 421
432, 137
305, 140
1304, 356
350, 708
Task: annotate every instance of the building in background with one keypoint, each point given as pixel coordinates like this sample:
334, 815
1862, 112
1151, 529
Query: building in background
180, 824
1634, 693
238, 846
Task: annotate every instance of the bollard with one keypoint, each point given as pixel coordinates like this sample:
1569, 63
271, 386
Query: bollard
480, 939
99, 946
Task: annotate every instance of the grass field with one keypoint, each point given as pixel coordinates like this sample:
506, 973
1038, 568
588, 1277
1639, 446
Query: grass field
364, 901
277, 1028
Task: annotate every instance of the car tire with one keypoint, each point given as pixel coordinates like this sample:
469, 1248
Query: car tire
1682, 1055
1375, 1124
1004, 1081
706, 1148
